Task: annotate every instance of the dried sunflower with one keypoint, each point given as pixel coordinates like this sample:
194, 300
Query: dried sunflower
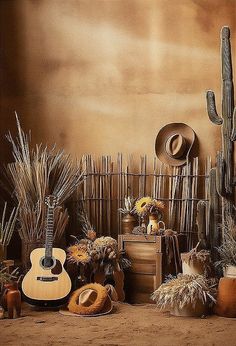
141, 205
148, 205
78, 254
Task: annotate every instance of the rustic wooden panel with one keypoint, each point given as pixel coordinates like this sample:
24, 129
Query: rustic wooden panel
143, 268
148, 266
140, 251
141, 282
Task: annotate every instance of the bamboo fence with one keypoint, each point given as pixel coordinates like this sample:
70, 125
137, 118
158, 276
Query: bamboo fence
109, 181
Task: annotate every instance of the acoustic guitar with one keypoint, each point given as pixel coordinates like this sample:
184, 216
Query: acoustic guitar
47, 283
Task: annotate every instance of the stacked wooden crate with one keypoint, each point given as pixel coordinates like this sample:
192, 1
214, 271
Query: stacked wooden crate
149, 264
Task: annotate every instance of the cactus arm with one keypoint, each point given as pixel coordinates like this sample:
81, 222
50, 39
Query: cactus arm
226, 54
211, 108
233, 134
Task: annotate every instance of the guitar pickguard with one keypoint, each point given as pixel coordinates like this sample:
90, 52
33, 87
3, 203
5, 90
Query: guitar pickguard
57, 269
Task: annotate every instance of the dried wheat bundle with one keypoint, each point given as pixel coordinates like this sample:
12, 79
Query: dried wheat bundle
7, 226
35, 174
184, 290
193, 256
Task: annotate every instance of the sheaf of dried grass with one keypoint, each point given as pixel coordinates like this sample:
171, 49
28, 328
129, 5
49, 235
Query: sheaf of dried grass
35, 174
184, 290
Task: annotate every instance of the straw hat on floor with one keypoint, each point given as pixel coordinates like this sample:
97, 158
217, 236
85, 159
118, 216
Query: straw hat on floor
91, 300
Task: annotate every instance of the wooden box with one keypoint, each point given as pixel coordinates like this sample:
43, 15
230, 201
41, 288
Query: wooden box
149, 264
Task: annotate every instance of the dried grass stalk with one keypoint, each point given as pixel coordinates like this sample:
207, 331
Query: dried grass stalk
7, 226
35, 174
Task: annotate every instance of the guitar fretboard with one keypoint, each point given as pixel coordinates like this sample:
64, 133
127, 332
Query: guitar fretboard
49, 232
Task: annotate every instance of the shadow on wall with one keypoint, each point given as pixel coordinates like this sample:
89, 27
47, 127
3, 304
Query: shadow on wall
11, 89
11, 71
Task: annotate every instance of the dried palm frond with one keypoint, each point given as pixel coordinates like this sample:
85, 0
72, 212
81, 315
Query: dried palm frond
7, 227
35, 174
128, 206
184, 290
87, 227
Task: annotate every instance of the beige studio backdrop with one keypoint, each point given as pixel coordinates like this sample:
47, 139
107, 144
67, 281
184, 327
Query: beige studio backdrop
103, 76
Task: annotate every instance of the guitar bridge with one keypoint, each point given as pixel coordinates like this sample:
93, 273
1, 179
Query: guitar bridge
47, 278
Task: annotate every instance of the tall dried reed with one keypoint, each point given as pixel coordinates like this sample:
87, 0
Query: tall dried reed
36, 173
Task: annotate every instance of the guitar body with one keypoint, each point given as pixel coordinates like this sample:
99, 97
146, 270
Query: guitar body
46, 285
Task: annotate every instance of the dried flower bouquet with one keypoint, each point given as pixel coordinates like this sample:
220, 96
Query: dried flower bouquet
147, 205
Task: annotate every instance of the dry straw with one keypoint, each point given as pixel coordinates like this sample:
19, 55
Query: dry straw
185, 290
35, 174
227, 251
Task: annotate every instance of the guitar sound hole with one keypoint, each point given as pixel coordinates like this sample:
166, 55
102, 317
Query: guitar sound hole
47, 262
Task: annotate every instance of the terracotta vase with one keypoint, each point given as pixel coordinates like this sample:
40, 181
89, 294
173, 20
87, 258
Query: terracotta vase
128, 223
190, 310
153, 224
226, 298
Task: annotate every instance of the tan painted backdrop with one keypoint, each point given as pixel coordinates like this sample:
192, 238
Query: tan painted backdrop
103, 76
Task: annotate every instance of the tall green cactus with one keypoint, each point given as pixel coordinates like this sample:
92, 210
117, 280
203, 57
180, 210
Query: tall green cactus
225, 158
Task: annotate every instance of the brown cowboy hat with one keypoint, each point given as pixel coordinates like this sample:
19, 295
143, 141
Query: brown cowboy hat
89, 301
174, 143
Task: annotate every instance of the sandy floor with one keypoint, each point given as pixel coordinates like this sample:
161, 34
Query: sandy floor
127, 325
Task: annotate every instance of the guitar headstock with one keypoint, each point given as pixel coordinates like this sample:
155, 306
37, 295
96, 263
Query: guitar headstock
51, 201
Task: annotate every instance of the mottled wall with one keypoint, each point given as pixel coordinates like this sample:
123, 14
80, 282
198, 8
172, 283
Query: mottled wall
102, 76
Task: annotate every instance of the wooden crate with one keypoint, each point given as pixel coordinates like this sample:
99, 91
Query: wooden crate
149, 264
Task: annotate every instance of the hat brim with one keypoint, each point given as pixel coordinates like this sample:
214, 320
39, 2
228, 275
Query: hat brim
167, 131
107, 309
102, 304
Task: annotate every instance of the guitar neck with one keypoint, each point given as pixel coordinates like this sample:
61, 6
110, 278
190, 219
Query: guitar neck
49, 232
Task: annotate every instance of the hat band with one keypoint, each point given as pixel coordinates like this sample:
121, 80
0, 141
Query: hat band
175, 146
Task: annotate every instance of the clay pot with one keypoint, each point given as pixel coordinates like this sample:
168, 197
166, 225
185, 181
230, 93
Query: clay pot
230, 272
128, 223
226, 298
192, 267
189, 310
